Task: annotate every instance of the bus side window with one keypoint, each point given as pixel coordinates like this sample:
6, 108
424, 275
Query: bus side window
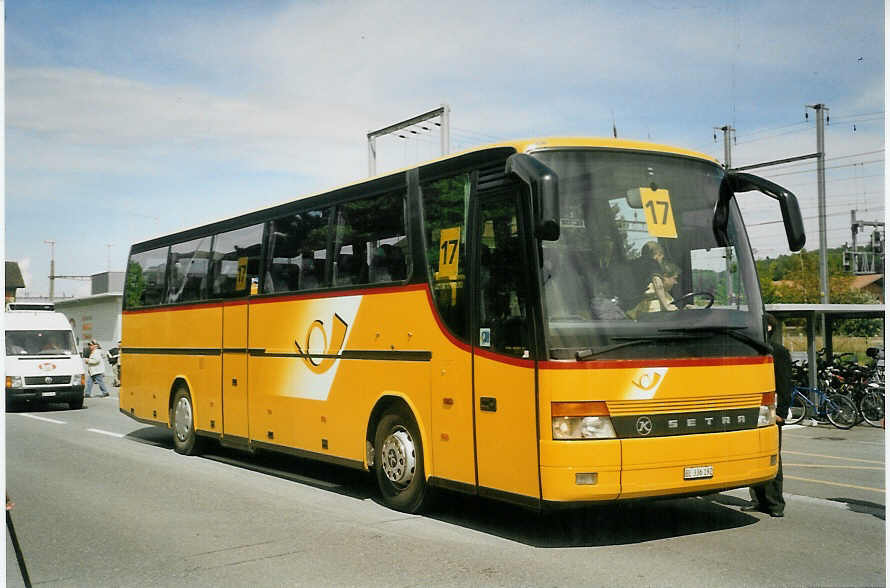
370, 239
146, 278
291, 265
445, 203
236, 261
502, 277
188, 270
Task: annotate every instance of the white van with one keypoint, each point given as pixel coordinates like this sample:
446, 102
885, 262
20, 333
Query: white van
42, 360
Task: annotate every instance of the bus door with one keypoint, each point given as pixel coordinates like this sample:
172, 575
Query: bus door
503, 357
234, 372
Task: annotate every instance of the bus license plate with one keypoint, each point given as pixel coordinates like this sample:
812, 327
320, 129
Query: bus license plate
48, 394
698, 473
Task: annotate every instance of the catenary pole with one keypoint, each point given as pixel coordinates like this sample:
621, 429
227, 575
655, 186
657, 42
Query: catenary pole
821, 109
727, 163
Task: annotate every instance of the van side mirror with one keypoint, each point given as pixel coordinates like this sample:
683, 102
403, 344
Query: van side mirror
544, 186
739, 182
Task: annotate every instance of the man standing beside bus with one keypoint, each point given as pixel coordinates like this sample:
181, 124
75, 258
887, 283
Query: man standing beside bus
767, 497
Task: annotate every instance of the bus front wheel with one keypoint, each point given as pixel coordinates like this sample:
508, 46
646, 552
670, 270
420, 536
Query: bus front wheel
182, 421
399, 462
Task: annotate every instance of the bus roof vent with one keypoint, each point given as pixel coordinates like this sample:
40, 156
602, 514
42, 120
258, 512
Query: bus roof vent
491, 176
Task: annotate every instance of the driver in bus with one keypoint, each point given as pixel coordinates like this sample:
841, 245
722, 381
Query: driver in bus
657, 295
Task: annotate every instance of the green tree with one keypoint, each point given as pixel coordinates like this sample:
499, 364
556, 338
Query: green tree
135, 285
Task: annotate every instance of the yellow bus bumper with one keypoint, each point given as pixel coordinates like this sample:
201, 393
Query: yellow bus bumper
639, 468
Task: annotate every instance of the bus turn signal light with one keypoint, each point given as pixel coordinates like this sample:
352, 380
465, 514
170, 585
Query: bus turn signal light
570, 409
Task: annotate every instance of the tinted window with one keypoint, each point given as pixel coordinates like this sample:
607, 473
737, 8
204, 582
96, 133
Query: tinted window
370, 241
445, 204
189, 263
236, 262
146, 272
297, 252
503, 320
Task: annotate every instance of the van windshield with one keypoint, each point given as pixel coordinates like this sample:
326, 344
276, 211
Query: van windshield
40, 343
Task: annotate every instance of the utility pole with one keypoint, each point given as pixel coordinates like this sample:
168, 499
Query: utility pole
727, 164
52, 268
821, 109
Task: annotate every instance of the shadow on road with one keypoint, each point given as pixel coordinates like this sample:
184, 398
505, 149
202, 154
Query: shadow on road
609, 524
874, 509
344, 481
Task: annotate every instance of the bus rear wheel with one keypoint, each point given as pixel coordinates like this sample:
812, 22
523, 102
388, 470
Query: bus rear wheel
182, 421
398, 456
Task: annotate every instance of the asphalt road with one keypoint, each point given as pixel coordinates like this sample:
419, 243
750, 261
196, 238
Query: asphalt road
102, 500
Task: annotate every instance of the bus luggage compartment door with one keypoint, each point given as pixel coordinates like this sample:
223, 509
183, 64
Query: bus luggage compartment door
234, 371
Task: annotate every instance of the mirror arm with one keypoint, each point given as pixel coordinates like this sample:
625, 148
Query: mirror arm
740, 182
544, 185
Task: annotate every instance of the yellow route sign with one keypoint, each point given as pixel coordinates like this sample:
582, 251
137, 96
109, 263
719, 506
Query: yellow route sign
659, 213
449, 244
241, 282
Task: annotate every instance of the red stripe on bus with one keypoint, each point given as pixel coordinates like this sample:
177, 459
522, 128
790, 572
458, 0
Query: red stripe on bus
217, 304
444, 329
517, 361
654, 362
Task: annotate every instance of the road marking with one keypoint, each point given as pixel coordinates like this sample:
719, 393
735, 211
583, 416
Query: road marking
109, 433
880, 490
834, 467
40, 418
785, 451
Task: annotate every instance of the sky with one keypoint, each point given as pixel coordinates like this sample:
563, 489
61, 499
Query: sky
128, 120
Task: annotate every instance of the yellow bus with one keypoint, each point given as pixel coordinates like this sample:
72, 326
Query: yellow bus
550, 322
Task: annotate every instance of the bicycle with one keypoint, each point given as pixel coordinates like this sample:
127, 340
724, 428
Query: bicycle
839, 410
871, 405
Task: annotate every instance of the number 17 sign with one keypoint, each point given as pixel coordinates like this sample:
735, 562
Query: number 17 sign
449, 243
659, 214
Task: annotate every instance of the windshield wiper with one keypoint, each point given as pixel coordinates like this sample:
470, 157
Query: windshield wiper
585, 354
724, 330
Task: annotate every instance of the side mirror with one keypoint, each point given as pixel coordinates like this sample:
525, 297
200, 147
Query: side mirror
739, 182
544, 186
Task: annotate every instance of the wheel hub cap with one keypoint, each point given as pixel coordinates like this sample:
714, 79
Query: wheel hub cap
182, 419
397, 458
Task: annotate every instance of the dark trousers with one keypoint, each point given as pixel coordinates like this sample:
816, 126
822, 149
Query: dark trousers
768, 496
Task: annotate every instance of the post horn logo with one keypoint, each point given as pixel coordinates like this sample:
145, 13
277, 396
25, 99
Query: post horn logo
317, 339
647, 382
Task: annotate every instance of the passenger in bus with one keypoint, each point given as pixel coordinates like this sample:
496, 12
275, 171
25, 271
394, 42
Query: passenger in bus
657, 296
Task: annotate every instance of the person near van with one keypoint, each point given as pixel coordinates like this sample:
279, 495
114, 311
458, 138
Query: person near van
96, 367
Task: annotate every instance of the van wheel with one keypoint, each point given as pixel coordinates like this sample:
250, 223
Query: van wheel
76, 404
399, 458
182, 421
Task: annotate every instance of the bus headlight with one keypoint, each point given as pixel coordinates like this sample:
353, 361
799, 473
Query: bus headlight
767, 414
581, 420
590, 427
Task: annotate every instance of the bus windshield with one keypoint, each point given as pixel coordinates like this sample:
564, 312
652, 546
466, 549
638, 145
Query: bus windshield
636, 272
